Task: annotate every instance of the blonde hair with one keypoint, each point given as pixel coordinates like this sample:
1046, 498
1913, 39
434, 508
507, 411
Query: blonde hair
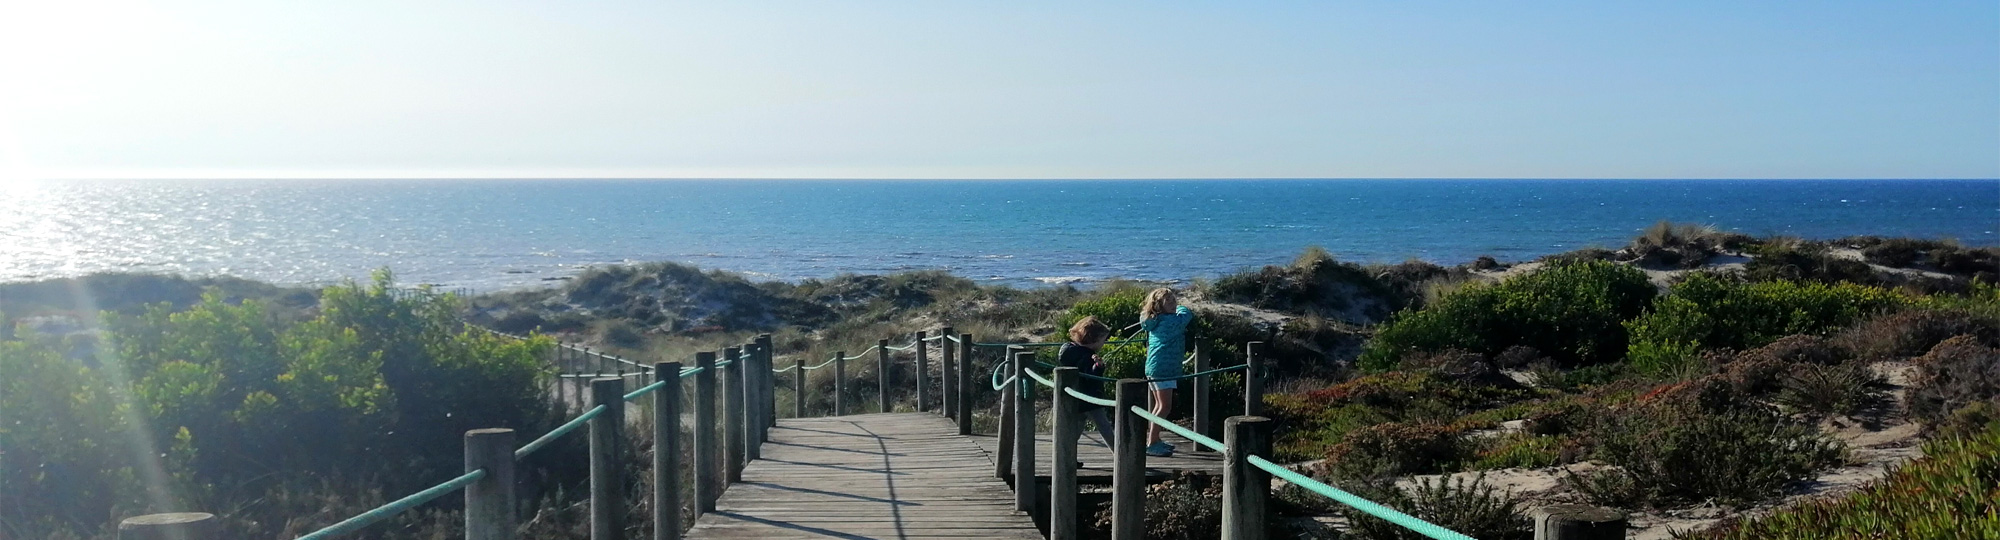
1088, 330
1160, 301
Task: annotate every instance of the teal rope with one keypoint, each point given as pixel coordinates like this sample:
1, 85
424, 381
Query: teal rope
1086, 398
599, 375
1038, 378
1237, 367
390, 510
788, 369
1212, 444
643, 390
685, 373
1370, 507
558, 432
1055, 343
954, 339
829, 361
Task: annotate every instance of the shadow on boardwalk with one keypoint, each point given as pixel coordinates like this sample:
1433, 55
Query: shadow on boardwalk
900, 475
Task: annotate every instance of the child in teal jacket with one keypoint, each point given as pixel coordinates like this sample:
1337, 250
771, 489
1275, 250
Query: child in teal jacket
1165, 322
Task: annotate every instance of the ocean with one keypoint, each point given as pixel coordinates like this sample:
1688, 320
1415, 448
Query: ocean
497, 234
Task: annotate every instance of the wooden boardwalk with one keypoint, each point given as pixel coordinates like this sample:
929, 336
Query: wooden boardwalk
897, 475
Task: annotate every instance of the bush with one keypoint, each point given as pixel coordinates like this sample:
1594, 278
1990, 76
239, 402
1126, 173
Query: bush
1667, 244
1315, 283
1396, 449
1710, 311
228, 404
1957, 373
1952, 492
1696, 443
1911, 333
1570, 312
1793, 260
1469, 507
1820, 390
1310, 424
1523, 450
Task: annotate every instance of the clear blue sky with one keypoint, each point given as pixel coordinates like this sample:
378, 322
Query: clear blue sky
1015, 89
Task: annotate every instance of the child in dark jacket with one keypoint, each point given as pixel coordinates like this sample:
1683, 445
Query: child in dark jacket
1085, 338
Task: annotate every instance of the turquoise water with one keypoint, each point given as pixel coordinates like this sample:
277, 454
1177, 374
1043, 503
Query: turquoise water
489, 234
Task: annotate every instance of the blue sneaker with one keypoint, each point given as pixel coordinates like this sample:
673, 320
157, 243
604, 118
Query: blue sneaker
1160, 449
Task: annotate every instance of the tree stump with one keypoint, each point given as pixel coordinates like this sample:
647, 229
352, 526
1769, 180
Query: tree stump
1578, 522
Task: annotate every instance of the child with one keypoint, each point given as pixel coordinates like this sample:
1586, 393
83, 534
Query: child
1165, 322
1086, 337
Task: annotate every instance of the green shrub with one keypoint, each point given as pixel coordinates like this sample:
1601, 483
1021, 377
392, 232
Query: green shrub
1683, 245
1959, 372
1952, 492
1821, 390
1470, 507
1695, 442
1570, 312
1310, 424
226, 404
1314, 283
1794, 260
1525, 450
1707, 311
1396, 449
1913, 332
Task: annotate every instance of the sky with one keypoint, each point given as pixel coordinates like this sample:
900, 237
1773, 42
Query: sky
1016, 89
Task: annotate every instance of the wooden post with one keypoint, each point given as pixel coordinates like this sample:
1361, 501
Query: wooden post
923, 373
1003, 467
174, 526
840, 383
607, 487
489, 502
799, 387
1128, 466
882, 373
1204, 413
1062, 464
1253, 380
964, 380
1024, 432
562, 384
667, 452
707, 454
732, 414
1245, 488
769, 353
947, 376
753, 403
1577, 522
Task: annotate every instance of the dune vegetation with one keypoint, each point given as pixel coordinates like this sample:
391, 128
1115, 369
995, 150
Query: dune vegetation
1689, 371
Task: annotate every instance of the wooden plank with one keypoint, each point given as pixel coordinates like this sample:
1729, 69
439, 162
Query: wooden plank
897, 475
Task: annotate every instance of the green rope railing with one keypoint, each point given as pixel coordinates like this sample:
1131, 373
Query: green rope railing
404, 504
1212, 444
558, 432
1369, 507
399, 506
828, 362
1038, 378
1366, 506
1086, 398
1049, 343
